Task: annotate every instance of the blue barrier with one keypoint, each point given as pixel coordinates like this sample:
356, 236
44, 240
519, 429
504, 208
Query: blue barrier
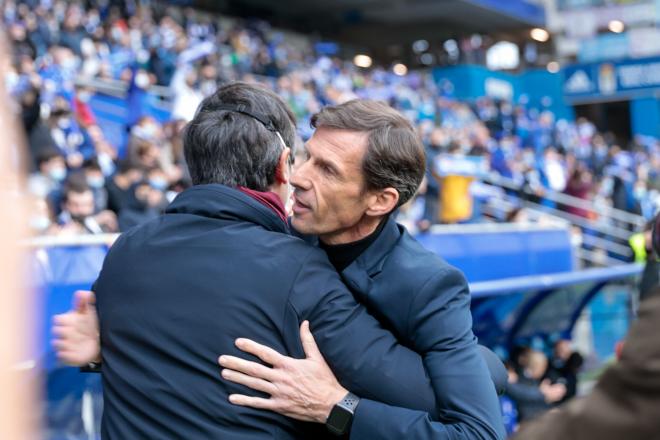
519, 310
112, 115
489, 252
58, 273
505, 311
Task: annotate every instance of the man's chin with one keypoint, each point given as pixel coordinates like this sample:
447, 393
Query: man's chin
301, 225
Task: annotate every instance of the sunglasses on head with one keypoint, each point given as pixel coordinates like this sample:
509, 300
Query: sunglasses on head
265, 121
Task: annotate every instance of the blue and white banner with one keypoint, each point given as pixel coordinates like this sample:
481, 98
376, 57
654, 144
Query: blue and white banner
454, 165
621, 79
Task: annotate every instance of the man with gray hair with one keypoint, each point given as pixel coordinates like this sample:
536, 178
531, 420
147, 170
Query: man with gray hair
252, 280
364, 161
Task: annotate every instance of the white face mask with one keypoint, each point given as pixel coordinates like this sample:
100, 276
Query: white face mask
607, 186
40, 223
288, 203
142, 80
639, 192
84, 96
57, 174
64, 123
70, 64
96, 182
11, 80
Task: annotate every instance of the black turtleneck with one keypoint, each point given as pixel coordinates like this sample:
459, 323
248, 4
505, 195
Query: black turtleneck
342, 255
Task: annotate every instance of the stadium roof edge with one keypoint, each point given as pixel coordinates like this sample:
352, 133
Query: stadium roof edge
520, 10
483, 16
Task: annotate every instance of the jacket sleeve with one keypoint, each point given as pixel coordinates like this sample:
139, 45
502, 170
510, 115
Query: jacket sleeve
366, 358
440, 326
523, 393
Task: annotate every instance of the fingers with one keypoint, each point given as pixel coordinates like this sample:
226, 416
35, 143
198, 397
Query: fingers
250, 368
266, 354
83, 300
64, 319
254, 402
308, 342
249, 381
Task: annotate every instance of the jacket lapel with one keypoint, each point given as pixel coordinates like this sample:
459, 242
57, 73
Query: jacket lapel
358, 275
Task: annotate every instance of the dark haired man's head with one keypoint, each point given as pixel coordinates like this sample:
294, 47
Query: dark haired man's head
364, 160
234, 149
77, 198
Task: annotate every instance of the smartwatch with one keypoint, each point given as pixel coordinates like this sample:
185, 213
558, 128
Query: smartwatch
340, 418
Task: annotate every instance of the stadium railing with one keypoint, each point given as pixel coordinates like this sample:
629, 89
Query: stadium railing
604, 239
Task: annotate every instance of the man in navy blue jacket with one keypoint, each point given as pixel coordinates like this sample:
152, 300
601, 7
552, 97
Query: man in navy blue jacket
362, 162
433, 318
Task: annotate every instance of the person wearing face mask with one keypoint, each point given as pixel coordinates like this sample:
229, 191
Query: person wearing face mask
51, 172
71, 140
81, 107
119, 186
187, 96
146, 200
40, 221
96, 181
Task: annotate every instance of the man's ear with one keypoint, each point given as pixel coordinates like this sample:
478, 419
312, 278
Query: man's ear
283, 170
382, 202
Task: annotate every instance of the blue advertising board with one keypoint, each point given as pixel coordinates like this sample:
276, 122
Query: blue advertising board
614, 80
541, 89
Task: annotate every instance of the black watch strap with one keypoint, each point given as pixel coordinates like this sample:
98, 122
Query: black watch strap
91, 367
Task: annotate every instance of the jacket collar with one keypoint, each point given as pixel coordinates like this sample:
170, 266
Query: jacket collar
370, 263
225, 203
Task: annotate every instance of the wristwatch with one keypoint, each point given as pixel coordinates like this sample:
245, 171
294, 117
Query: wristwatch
340, 418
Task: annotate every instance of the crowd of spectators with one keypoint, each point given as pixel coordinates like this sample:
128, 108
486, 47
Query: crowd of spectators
85, 182
538, 383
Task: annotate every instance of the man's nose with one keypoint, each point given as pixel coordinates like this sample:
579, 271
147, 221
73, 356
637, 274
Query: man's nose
300, 177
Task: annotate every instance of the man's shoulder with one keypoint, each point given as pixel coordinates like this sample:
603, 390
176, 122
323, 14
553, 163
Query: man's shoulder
409, 257
165, 232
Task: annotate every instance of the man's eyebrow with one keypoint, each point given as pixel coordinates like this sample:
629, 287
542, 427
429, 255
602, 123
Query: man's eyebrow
322, 161
327, 163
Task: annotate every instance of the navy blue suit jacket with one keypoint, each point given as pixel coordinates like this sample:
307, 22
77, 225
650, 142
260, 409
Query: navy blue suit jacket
177, 291
425, 302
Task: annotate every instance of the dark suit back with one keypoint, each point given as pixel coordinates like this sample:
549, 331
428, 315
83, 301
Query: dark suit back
176, 292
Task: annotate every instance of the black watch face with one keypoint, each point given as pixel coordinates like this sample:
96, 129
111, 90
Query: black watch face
339, 420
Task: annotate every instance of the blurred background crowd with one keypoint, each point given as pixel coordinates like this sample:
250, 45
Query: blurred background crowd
84, 182
86, 178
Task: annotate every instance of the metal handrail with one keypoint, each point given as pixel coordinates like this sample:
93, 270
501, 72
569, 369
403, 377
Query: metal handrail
70, 240
613, 231
584, 254
568, 200
119, 88
552, 281
608, 245
597, 259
